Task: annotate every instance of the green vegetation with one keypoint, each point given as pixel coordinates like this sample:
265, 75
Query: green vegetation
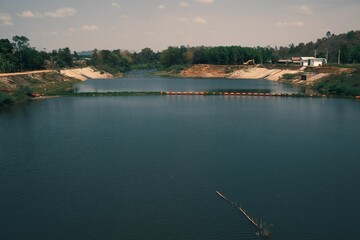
6, 99
47, 84
18, 55
340, 85
117, 61
347, 44
289, 76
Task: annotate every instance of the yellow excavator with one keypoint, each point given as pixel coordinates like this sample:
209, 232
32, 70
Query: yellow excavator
250, 62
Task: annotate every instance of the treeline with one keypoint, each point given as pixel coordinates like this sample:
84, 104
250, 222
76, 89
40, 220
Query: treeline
346, 46
331, 46
122, 60
17, 55
232, 55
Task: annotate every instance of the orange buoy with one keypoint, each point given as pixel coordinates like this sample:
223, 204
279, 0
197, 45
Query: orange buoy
357, 97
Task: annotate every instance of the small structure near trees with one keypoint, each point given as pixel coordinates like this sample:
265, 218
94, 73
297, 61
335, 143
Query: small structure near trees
312, 62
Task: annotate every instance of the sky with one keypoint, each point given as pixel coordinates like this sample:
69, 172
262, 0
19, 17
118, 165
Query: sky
136, 24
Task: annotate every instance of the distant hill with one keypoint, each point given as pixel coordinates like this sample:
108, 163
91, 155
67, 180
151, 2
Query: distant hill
85, 53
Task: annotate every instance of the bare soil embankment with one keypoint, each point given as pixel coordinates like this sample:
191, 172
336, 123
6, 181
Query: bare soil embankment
45, 80
235, 72
273, 73
39, 81
85, 73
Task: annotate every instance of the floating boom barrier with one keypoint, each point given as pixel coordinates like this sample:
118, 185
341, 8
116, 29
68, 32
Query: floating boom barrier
261, 227
249, 93
256, 94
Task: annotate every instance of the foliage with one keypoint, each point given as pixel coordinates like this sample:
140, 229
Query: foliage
6, 99
347, 44
340, 85
289, 76
18, 55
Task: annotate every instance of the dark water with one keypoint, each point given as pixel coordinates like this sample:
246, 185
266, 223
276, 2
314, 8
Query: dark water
148, 168
144, 81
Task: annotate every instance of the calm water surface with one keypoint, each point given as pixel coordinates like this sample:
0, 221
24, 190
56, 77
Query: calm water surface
143, 81
148, 167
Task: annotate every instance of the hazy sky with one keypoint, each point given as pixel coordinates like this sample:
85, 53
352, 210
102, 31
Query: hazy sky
136, 24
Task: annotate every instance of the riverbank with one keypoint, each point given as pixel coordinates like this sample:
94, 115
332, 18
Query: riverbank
85, 73
236, 72
19, 87
341, 81
268, 72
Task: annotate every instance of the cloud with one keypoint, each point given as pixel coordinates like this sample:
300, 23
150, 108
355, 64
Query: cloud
90, 28
161, 7
205, 1
116, 5
199, 20
184, 4
6, 20
305, 10
183, 19
290, 24
124, 16
62, 12
29, 14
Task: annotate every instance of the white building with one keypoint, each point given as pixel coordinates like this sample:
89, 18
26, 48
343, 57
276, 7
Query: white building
312, 62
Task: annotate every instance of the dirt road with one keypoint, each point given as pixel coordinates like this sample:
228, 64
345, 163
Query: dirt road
24, 73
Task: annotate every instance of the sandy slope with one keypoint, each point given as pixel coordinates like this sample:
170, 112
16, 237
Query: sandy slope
85, 73
242, 72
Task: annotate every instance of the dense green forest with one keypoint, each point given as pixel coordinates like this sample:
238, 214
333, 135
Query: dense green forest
18, 55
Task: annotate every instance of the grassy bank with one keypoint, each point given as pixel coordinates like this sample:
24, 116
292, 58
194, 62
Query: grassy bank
21, 88
344, 84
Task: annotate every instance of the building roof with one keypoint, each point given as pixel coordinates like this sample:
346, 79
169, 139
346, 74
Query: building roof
307, 58
311, 58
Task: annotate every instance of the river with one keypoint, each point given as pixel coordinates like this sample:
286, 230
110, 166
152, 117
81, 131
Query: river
148, 167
